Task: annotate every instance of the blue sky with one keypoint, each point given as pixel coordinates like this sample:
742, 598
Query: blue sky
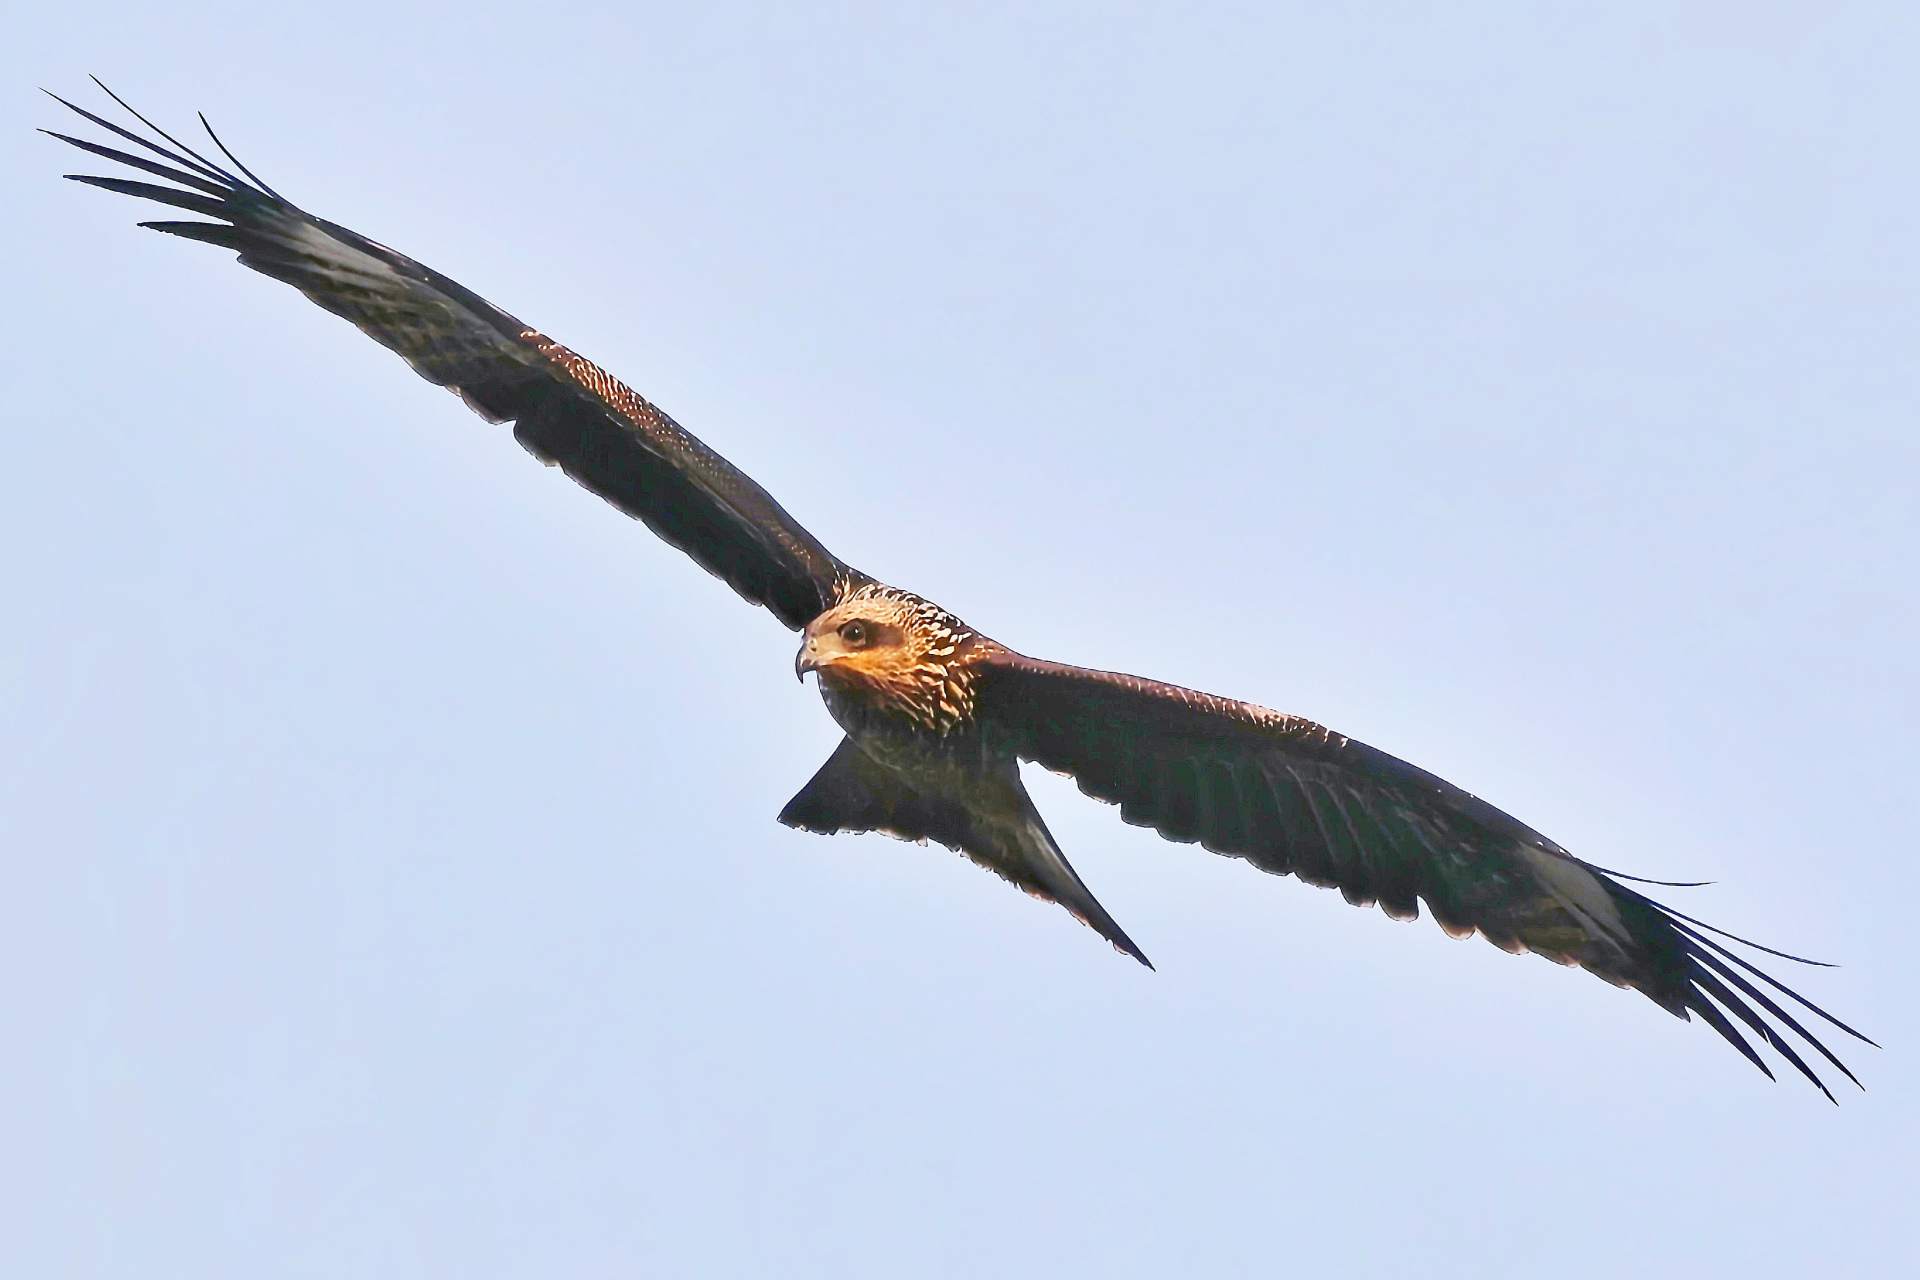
392, 880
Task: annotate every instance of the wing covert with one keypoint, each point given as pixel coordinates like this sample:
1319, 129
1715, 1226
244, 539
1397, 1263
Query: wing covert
567, 411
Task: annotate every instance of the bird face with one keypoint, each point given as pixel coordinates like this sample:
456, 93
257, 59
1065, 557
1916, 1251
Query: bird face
894, 653
855, 643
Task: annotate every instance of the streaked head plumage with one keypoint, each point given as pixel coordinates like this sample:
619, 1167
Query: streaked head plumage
896, 651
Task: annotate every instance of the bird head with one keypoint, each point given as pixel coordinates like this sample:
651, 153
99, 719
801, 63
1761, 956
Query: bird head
862, 641
893, 650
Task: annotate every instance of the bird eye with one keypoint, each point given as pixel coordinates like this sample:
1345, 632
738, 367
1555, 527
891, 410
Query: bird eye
854, 633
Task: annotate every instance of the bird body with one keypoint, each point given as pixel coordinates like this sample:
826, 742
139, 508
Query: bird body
902, 677
938, 718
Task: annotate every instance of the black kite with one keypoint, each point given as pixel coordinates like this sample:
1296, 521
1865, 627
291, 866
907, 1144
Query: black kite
938, 717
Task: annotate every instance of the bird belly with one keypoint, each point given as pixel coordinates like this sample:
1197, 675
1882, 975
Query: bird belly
953, 764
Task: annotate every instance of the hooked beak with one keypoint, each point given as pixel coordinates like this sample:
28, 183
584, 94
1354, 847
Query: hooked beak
804, 661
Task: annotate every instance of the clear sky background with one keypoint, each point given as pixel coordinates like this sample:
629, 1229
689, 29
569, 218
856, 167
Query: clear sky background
391, 881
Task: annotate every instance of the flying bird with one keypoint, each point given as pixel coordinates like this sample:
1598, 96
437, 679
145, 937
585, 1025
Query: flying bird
938, 717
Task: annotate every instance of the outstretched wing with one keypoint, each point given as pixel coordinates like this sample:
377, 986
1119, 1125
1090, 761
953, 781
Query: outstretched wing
566, 410
1295, 798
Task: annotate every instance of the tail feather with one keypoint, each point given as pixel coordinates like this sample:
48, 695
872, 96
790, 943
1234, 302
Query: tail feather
994, 823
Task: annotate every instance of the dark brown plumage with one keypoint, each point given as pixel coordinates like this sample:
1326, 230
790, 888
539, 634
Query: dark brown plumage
938, 718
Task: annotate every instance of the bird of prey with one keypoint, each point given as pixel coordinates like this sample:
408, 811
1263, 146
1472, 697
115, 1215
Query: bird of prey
938, 717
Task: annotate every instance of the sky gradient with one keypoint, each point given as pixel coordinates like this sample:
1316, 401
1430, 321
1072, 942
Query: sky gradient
392, 885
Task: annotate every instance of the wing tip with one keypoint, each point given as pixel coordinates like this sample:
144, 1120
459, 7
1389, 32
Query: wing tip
1710, 979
